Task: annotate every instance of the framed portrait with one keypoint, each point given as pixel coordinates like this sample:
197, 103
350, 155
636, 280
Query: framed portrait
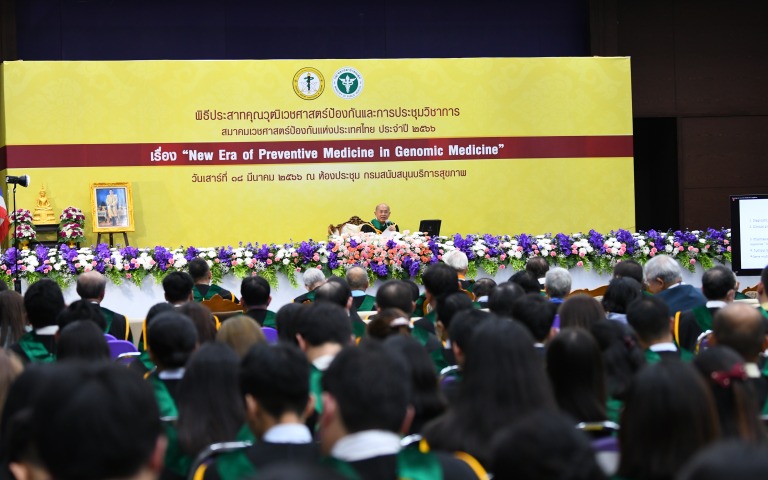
112, 207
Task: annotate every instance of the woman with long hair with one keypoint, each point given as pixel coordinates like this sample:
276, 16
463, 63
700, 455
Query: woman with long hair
504, 380
12, 317
580, 311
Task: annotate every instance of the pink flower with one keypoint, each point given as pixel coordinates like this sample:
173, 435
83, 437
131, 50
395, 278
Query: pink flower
127, 275
692, 261
151, 262
695, 250
294, 254
316, 257
298, 269
502, 256
579, 263
269, 261
690, 248
582, 255
726, 242
676, 244
77, 265
319, 267
552, 253
23, 268
488, 256
94, 263
653, 251
652, 254
234, 263
502, 267
271, 254
519, 248
729, 249
680, 249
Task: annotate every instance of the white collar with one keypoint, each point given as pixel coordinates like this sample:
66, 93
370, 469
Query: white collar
49, 330
323, 362
366, 444
358, 293
482, 299
663, 347
752, 370
296, 433
673, 286
171, 374
716, 304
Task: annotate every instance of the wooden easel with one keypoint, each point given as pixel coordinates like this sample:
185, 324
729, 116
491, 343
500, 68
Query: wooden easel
111, 239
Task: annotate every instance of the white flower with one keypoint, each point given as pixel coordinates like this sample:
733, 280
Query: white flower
668, 249
286, 261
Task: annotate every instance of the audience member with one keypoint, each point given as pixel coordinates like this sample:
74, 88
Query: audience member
43, 301
10, 368
357, 278
718, 284
313, 278
482, 289
336, 291
144, 362
723, 371
649, 317
458, 260
12, 317
575, 368
81, 310
201, 316
366, 396
503, 298
619, 294
240, 332
274, 387
728, 459
395, 294
664, 278
255, 298
92, 287
504, 380
285, 320
544, 446
387, 322
580, 311
202, 289
557, 284
629, 269
210, 407
99, 421
460, 332
82, 340
538, 316
439, 279
177, 287
538, 267
668, 416
528, 282
447, 307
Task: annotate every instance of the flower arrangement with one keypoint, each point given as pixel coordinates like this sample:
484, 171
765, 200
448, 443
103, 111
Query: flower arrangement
71, 232
25, 231
21, 216
72, 215
404, 256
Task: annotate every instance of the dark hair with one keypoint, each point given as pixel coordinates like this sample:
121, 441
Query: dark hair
622, 355
630, 269
277, 376
527, 281
415, 290
16, 439
286, 321
449, 305
371, 387
82, 340
208, 400
380, 327
580, 311
198, 268
621, 292
11, 317
178, 286
536, 313
255, 291
649, 317
717, 282
727, 459
43, 301
575, 368
463, 327
502, 297
95, 421
298, 471
483, 287
740, 327
324, 322
537, 266
669, 394
499, 349
735, 398
426, 399
544, 445
395, 294
335, 290
81, 310
171, 338
440, 279
203, 319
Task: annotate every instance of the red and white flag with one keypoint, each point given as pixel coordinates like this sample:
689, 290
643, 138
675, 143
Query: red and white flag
4, 221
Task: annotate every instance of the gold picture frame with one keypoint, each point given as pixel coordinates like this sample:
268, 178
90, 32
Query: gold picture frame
112, 207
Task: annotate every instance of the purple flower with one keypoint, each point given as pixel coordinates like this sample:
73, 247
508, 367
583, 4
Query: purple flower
625, 237
597, 241
411, 265
191, 254
379, 269
564, 242
262, 254
465, 245
353, 243
656, 238
526, 242
306, 251
163, 257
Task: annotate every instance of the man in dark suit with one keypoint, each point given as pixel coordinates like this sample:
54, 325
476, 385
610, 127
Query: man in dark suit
719, 287
664, 279
255, 298
357, 278
366, 405
92, 286
313, 278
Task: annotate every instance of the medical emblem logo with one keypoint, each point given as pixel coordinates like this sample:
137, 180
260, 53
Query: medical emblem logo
347, 83
308, 83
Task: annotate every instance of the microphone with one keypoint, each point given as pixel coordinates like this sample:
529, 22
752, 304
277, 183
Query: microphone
22, 180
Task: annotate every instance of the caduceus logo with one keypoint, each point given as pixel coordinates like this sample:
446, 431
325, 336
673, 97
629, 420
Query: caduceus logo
347, 83
308, 83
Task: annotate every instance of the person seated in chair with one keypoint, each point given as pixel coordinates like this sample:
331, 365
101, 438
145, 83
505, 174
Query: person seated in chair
43, 301
458, 260
649, 317
663, 277
201, 275
255, 298
177, 287
538, 267
274, 381
313, 278
336, 290
357, 278
381, 223
91, 286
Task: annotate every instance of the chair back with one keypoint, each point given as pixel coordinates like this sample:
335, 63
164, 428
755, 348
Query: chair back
208, 455
222, 308
270, 334
702, 342
339, 228
119, 347
109, 337
127, 358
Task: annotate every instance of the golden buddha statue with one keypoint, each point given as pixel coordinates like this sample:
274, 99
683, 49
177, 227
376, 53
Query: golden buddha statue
43, 214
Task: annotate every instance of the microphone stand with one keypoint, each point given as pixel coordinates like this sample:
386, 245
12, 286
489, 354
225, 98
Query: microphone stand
16, 279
